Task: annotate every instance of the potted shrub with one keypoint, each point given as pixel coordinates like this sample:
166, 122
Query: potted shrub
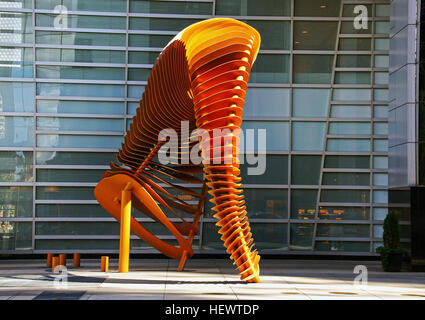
391, 253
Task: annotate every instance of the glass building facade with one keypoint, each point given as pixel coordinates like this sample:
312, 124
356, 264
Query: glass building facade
71, 78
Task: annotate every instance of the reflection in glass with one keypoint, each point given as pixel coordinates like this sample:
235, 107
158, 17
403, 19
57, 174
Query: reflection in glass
16, 131
301, 236
266, 203
315, 35
16, 166
17, 97
15, 235
15, 202
303, 204
343, 213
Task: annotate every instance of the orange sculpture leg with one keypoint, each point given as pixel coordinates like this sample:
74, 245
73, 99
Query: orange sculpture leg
200, 80
124, 255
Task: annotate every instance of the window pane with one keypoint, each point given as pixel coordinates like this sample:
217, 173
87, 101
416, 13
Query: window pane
351, 95
349, 10
89, 107
315, 35
266, 203
74, 158
344, 213
270, 235
349, 128
380, 162
361, 196
314, 8
352, 77
276, 171
382, 44
380, 179
135, 91
310, 103
80, 38
79, 124
380, 196
89, 73
142, 57
380, 95
343, 230
380, 111
74, 141
15, 235
306, 170
211, 238
75, 244
308, 136
138, 74
380, 128
303, 204
382, 61
65, 193
349, 179
77, 228
346, 246
80, 90
359, 162
270, 68
313, 68
275, 35
273, 129
77, 55
348, 27
15, 202
346, 111
16, 4
149, 40
16, 27
380, 145
70, 211
301, 236
353, 61
170, 7
62, 175
16, 166
267, 102
80, 21
16, 131
382, 27
253, 7
86, 5
160, 24
355, 44
16, 62
349, 145
381, 78
382, 10
17, 97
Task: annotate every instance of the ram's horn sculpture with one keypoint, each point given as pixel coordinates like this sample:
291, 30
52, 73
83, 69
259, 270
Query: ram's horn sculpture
199, 79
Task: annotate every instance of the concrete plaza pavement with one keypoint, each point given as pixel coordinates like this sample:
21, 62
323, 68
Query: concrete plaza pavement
212, 279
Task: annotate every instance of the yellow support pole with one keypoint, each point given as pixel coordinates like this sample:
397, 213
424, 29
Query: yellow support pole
125, 229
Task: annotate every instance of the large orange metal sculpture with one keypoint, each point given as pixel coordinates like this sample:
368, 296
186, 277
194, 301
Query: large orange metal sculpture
200, 77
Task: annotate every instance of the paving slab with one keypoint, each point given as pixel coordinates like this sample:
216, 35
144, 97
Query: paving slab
206, 279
